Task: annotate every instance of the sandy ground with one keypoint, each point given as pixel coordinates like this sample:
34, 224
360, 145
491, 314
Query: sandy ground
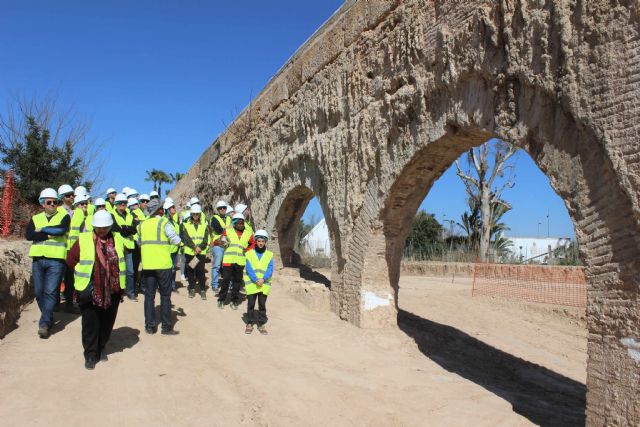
454, 361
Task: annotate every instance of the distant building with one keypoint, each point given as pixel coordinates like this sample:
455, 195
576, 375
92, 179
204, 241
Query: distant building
317, 242
536, 248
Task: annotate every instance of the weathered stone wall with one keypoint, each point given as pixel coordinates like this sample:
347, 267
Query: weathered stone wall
375, 107
15, 282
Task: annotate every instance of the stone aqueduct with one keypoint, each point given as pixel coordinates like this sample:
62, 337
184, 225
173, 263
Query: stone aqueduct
378, 103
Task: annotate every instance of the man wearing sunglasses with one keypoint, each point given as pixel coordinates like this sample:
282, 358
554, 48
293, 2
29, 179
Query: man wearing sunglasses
47, 230
66, 196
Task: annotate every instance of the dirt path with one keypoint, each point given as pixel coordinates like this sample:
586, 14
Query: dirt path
313, 369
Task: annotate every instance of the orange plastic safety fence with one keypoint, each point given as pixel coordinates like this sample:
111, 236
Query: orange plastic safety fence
15, 211
536, 283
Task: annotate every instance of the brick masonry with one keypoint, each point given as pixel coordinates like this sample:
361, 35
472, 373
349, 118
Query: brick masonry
379, 102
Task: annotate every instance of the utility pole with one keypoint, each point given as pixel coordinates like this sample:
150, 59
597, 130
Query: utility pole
539, 223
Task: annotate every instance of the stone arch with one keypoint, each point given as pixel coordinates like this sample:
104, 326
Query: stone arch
300, 181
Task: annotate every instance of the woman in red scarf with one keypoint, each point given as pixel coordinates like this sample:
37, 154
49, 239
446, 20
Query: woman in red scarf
97, 259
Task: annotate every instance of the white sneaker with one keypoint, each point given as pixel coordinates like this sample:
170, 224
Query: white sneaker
184, 278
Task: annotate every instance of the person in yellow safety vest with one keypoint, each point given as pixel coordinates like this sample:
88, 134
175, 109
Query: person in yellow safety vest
195, 238
47, 231
243, 209
143, 199
172, 217
238, 240
100, 204
111, 198
155, 237
134, 207
184, 215
154, 195
219, 222
65, 199
195, 201
257, 278
126, 226
81, 219
100, 275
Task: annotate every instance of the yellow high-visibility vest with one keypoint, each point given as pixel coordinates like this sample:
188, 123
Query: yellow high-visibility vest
234, 253
79, 224
226, 223
55, 247
197, 236
176, 228
259, 268
129, 241
155, 246
84, 268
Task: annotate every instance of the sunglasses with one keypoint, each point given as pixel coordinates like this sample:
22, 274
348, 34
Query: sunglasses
50, 203
222, 209
83, 203
121, 203
71, 195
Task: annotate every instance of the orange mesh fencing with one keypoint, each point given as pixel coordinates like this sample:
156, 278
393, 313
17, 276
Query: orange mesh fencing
15, 211
535, 283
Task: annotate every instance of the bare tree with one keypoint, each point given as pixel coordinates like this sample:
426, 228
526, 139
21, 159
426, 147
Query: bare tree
481, 186
64, 125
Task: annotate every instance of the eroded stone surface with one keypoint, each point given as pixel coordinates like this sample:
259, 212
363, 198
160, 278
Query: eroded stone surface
375, 107
15, 282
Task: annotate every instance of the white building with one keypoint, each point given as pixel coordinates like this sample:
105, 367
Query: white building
317, 242
536, 248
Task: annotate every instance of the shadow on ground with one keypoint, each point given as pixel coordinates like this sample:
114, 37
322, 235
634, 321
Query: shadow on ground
535, 392
176, 313
61, 320
122, 338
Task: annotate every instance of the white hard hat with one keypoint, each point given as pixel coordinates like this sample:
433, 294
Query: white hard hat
240, 208
186, 214
221, 204
81, 198
80, 190
125, 190
194, 201
131, 193
169, 199
196, 209
100, 202
111, 190
65, 189
229, 209
237, 216
102, 219
154, 193
132, 201
48, 193
120, 198
167, 204
261, 233
144, 197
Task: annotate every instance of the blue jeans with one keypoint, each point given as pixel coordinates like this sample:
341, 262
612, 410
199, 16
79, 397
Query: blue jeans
217, 253
47, 274
157, 280
174, 259
130, 281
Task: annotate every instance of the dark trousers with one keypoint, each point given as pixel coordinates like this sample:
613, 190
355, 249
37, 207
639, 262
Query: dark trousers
231, 272
68, 285
262, 309
97, 324
196, 275
157, 280
136, 265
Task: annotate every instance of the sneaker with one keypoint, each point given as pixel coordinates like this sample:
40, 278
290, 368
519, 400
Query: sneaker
263, 330
43, 332
203, 295
90, 363
184, 278
220, 305
170, 332
233, 306
248, 329
192, 293
132, 297
150, 331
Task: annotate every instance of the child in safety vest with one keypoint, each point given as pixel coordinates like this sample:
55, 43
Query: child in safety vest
240, 240
257, 278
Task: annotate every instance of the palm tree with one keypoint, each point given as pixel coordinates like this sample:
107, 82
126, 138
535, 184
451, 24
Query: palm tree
152, 176
175, 177
162, 178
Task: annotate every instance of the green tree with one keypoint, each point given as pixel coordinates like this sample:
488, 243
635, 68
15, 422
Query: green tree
38, 164
175, 177
425, 237
46, 146
303, 229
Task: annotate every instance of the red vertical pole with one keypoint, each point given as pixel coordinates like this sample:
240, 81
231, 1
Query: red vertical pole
7, 204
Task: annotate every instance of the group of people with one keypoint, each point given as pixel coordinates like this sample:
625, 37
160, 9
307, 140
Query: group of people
88, 255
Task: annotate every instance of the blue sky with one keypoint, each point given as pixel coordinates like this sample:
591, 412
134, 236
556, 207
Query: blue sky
158, 80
